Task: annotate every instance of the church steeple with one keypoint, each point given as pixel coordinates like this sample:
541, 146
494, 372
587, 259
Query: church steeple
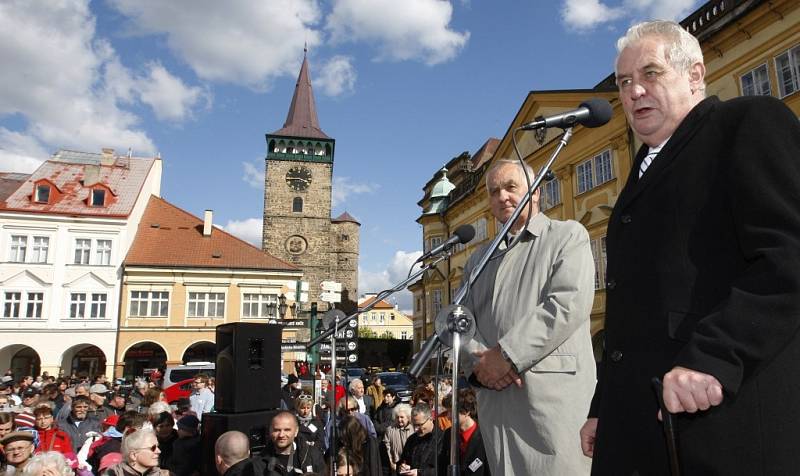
302, 119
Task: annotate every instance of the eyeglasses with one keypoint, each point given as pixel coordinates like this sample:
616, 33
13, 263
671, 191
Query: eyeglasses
305, 396
151, 448
415, 425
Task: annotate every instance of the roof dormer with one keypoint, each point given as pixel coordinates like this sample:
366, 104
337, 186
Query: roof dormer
45, 192
100, 195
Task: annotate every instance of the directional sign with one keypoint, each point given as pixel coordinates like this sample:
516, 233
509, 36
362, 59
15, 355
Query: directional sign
297, 347
352, 358
331, 286
330, 296
288, 322
327, 358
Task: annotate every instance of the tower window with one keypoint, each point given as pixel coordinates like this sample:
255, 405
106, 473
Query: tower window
297, 204
42, 193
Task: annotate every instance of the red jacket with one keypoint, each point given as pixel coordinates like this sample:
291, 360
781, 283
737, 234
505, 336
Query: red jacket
54, 440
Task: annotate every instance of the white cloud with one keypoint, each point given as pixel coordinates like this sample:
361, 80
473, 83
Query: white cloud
19, 152
343, 187
397, 271
253, 176
248, 229
587, 14
169, 97
337, 76
70, 87
401, 30
236, 41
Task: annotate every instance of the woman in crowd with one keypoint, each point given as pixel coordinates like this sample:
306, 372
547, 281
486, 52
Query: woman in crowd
311, 428
140, 454
359, 446
164, 425
49, 463
51, 438
346, 464
397, 434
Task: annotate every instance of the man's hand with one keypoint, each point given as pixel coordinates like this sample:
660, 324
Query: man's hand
687, 390
493, 371
588, 433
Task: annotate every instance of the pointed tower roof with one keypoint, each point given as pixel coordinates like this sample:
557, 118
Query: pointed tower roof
302, 119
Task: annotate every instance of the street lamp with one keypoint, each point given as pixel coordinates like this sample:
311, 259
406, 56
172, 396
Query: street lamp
282, 306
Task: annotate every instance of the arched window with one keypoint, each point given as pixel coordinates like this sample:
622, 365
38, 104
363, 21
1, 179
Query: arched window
327, 150
272, 146
297, 205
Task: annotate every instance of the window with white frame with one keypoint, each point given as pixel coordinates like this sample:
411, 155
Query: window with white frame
436, 301
98, 306
149, 304
12, 304
33, 308
756, 82
206, 304
551, 194
43, 193
382, 318
260, 306
83, 250
41, 245
404, 334
787, 66
77, 305
98, 197
599, 255
103, 252
595, 171
19, 247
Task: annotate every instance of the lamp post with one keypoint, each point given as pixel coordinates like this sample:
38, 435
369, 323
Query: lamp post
282, 306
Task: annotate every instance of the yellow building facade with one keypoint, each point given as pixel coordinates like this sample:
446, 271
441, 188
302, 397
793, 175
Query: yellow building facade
749, 48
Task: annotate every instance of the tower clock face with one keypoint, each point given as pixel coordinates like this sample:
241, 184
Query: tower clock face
298, 178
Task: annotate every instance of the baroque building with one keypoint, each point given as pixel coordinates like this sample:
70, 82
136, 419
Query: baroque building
749, 46
298, 227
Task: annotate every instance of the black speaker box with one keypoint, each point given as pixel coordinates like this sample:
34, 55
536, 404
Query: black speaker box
253, 424
248, 367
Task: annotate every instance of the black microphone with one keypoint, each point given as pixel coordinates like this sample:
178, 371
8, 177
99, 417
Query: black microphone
463, 234
591, 113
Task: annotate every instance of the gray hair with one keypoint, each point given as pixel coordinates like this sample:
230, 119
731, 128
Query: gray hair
134, 441
156, 408
353, 383
504, 162
403, 408
682, 48
421, 409
48, 459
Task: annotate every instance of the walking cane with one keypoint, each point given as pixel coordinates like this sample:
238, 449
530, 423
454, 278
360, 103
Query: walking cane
670, 431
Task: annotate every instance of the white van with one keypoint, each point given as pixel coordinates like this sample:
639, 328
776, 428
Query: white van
178, 373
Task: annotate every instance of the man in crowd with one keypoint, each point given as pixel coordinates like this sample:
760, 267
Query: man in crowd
472, 453
231, 453
116, 403
186, 454
97, 395
423, 447
365, 403
51, 438
30, 398
78, 422
202, 399
286, 454
532, 352
703, 289
6, 388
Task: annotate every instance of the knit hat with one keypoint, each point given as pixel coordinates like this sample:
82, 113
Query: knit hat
111, 420
25, 420
109, 460
188, 423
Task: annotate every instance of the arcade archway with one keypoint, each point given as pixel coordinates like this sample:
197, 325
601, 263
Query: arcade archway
143, 357
22, 361
203, 351
84, 360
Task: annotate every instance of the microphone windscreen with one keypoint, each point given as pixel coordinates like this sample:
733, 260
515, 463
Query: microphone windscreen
600, 112
465, 233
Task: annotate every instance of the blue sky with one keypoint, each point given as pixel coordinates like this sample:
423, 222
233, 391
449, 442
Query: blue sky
403, 86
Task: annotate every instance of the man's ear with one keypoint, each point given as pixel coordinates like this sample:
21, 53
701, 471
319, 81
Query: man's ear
697, 74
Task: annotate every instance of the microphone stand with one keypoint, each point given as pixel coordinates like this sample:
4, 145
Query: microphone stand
338, 323
458, 320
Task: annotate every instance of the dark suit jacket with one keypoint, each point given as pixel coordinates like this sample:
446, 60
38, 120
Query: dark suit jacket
475, 456
704, 272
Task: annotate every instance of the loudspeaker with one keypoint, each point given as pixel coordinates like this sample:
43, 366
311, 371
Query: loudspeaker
248, 367
253, 424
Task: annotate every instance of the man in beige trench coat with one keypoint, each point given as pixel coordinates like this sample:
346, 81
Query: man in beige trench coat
532, 350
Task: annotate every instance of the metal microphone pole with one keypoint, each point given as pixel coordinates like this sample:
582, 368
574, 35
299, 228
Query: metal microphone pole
458, 320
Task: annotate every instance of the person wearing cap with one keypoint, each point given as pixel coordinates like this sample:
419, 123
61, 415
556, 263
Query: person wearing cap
78, 422
18, 447
202, 398
289, 392
30, 397
186, 454
51, 438
97, 395
115, 404
6, 388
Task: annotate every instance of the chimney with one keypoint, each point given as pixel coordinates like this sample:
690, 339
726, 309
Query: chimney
91, 174
207, 220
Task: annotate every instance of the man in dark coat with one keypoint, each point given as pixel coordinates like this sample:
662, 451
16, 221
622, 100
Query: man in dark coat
703, 287
285, 453
422, 448
231, 453
472, 453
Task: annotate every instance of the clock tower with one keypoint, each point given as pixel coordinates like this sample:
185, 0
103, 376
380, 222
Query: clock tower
297, 199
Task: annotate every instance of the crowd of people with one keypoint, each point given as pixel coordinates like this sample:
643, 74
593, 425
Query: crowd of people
77, 427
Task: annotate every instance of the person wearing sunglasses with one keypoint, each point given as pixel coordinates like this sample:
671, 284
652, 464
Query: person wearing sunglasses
140, 455
311, 428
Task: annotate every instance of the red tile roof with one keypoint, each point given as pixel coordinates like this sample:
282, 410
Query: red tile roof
302, 119
345, 217
71, 171
170, 236
383, 304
